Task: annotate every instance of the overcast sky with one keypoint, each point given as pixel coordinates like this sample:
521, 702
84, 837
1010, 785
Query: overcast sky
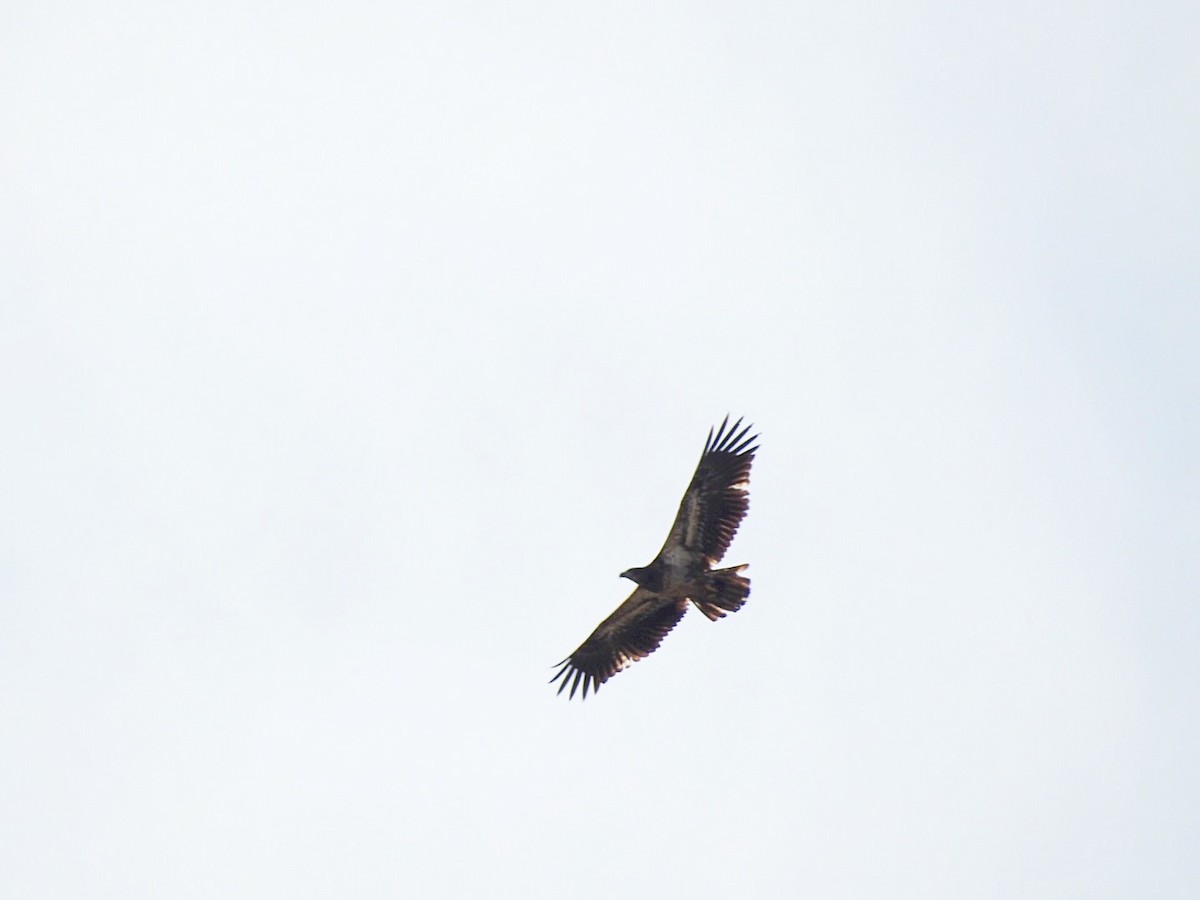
349, 351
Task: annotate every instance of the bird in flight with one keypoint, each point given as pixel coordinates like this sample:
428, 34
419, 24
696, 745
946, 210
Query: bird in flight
709, 514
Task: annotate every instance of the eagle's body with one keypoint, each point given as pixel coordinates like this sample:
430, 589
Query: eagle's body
709, 514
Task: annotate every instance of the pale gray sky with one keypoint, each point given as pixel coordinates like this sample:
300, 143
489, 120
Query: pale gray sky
350, 351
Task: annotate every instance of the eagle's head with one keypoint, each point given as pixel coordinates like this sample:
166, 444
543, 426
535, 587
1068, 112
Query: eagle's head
642, 575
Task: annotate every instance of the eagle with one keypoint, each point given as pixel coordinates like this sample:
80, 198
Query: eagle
709, 514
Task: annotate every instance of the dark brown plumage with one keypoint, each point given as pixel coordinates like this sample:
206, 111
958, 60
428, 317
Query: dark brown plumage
713, 506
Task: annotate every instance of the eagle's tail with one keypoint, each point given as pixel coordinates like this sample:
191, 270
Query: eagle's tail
727, 592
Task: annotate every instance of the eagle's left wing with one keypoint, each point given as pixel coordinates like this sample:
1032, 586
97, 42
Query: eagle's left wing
717, 498
634, 630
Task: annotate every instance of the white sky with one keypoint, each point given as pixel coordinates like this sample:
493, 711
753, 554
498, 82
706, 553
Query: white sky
349, 351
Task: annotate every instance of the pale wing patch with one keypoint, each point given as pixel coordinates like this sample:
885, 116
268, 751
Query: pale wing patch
677, 557
692, 535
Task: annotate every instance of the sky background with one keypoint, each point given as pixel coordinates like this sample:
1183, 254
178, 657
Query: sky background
349, 351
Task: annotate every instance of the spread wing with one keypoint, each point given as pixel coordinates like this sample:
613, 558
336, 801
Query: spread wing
717, 499
634, 630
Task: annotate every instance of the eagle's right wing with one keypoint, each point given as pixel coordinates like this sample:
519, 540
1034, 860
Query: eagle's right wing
635, 629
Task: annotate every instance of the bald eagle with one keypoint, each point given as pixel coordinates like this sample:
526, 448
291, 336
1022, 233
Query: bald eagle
709, 514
